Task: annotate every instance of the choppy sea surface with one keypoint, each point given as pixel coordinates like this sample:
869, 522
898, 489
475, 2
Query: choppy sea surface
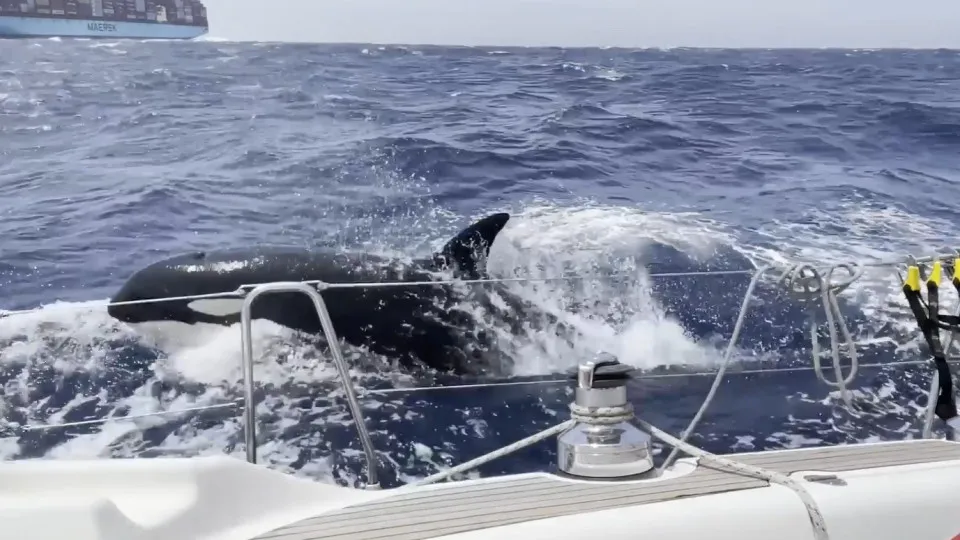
631, 163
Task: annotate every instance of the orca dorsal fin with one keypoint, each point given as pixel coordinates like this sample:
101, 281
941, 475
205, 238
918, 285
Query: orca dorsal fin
465, 251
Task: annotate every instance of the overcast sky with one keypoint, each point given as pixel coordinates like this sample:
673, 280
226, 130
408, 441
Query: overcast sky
626, 23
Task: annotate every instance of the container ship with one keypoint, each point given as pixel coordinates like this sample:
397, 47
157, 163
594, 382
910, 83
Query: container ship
138, 19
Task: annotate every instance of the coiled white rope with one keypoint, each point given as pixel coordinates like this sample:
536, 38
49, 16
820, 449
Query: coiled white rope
808, 284
601, 416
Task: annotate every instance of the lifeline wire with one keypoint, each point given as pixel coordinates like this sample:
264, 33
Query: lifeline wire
803, 280
807, 283
797, 278
322, 285
651, 376
243, 289
17, 430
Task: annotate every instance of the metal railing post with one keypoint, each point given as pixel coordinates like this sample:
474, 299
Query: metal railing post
250, 413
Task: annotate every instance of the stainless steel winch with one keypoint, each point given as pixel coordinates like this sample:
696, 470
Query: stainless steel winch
604, 444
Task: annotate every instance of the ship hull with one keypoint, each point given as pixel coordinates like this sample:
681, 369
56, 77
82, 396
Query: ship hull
33, 27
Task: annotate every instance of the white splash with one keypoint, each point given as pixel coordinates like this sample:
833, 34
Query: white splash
540, 240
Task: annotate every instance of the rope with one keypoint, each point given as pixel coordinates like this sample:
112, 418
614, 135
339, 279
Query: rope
813, 511
496, 454
601, 416
727, 357
808, 284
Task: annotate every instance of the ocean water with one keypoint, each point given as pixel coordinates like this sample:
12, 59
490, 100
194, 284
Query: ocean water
619, 163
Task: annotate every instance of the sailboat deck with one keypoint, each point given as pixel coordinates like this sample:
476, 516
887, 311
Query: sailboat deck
474, 506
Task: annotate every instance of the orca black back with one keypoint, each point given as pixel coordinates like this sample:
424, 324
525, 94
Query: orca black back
409, 323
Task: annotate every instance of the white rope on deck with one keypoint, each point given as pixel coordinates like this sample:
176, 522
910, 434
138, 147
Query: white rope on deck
817, 523
496, 454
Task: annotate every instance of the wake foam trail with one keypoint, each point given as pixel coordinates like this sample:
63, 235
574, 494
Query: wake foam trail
67, 365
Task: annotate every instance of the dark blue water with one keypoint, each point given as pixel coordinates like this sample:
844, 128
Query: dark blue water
618, 162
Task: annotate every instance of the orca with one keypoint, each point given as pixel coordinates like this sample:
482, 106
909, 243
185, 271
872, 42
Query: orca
417, 325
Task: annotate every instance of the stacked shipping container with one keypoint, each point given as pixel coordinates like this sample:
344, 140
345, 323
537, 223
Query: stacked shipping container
188, 12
